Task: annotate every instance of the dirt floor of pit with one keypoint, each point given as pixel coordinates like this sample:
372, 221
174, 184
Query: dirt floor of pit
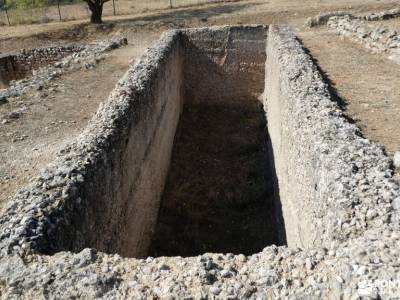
367, 83
219, 192
53, 117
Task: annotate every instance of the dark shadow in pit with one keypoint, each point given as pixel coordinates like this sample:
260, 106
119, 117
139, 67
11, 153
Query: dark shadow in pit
219, 195
9, 71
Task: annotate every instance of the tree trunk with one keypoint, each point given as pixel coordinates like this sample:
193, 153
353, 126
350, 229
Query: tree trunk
59, 11
6, 9
96, 8
96, 15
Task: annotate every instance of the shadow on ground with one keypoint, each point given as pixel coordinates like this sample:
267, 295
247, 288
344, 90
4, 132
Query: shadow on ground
202, 12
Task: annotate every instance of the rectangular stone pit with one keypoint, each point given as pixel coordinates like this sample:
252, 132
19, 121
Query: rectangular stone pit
181, 159
189, 171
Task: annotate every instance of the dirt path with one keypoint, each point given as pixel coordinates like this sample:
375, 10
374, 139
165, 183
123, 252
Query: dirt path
368, 83
51, 119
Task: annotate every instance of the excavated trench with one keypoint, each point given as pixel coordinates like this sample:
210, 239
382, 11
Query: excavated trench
219, 191
189, 167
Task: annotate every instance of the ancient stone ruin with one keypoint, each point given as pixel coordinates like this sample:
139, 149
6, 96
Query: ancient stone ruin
361, 29
35, 68
218, 140
22, 64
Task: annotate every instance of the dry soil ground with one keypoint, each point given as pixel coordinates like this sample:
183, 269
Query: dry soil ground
53, 117
367, 83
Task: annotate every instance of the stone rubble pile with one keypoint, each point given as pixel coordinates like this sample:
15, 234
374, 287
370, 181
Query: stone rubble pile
84, 57
384, 15
29, 59
323, 17
375, 38
348, 271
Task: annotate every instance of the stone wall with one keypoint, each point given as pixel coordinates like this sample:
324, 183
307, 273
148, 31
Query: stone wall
225, 63
375, 38
323, 17
40, 66
110, 193
329, 175
22, 64
7, 72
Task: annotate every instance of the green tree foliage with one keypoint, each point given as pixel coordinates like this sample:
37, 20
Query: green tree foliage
95, 6
23, 4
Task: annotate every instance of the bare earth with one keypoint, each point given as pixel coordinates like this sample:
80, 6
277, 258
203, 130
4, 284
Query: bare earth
368, 83
50, 122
